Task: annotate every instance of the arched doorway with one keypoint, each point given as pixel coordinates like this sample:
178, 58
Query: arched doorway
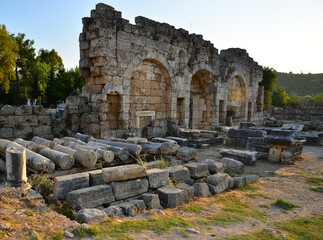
237, 98
201, 99
150, 93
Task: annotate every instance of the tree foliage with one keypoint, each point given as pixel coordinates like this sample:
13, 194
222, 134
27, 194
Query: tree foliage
279, 97
268, 81
8, 55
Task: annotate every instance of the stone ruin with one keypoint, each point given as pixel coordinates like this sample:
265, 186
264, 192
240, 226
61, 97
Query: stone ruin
149, 78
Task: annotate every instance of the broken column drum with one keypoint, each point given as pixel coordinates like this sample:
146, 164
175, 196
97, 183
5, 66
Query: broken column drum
16, 166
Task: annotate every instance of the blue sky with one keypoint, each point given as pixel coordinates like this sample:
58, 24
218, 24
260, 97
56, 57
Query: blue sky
284, 34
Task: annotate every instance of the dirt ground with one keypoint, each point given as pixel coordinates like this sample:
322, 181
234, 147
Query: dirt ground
276, 181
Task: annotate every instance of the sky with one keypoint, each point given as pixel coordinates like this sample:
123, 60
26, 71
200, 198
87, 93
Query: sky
284, 34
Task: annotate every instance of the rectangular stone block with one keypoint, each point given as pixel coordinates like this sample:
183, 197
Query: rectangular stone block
96, 177
124, 172
131, 188
171, 197
178, 173
69, 183
183, 142
90, 197
245, 133
221, 187
198, 170
246, 157
274, 154
157, 177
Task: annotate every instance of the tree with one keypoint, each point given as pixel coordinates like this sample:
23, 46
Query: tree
8, 55
268, 81
25, 61
40, 78
279, 97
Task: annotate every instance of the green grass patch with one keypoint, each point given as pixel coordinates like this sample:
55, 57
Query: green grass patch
315, 189
230, 173
314, 181
258, 195
248, 187
283, 204
258, 235
194, 208
235, 211
264, 205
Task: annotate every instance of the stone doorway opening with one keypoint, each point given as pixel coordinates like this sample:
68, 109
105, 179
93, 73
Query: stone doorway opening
114, 110
201, 100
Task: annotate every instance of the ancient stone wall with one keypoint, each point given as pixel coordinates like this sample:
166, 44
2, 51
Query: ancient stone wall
25, 122
138, 73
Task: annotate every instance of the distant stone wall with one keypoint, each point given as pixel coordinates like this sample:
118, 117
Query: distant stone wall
305, 111
25, 122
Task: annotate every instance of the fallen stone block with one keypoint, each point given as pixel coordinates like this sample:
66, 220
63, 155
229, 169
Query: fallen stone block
124, 172
157, 177
198, 170
213, 166
233, 165
246, 157
216, 178
208, 134
183, 142
220, 187
113, 211
88, 215
201, 190
129, 209
83, 137
139, 203
61, 160
239, 181
246, 125
151, 200
151, 148
245, 133
131, 188
189, 189
231, 182
274, 154
186, 153
201, 142
90, 197
163, 140
96, 177
251, 179
178, 173
311, 139
171, 197
137, 140
168, 148
69, 183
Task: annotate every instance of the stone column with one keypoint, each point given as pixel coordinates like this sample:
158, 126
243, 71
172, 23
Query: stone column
16, 166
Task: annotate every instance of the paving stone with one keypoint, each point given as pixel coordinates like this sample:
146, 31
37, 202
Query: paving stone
68, 183
186, 153
157, 177
213, 166
178, 173
90, 197
124, 172
87, 215
233, 165
130, 188
198, 170
201, 190
171, 197
151, 200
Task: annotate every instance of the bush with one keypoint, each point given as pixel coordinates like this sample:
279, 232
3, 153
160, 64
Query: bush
279, 97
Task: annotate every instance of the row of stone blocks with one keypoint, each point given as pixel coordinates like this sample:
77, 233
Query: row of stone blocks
131, 188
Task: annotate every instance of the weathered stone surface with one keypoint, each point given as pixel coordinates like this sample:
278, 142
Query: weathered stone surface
140, 204
124, 172
220, 187
113, 211
61, 160
239, 181
157, 177
201, 190
168, 148
129, 209
213, 166
198, 170
245, 133
251, 179
189, 189
274, 154
131, 188
24, 110
7, 110
246, 157
83, 137
233, 165
96, 177
90, 197
178, 173
216, 178
171, 197
186, 153
69, 183
150, 148
151, 200
88, 215
183, 142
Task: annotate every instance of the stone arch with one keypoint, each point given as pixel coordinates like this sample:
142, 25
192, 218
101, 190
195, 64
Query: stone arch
149, 93
201, 100
237, 99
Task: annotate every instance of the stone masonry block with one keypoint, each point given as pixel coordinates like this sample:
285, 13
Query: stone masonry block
125, 172
131, 188
157, 177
